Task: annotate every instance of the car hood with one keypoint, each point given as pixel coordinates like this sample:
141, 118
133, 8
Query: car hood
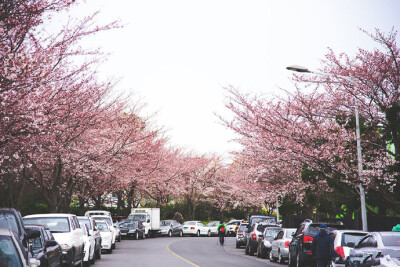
63, 238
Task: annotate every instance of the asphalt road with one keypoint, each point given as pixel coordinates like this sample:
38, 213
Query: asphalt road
179, 251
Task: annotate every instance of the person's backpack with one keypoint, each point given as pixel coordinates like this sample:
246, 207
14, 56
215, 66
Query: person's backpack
222, 229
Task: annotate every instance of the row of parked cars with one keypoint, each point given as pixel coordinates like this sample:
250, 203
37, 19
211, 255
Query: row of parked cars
60, 239
350, 247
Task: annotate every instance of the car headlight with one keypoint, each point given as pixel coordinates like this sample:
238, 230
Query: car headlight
267, 243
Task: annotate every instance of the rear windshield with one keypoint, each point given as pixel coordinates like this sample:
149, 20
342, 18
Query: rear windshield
242, 227
273, 232
261, 227
107, 219
55, 224
313, 228
102, 227
391, 240
87, 222
351, 238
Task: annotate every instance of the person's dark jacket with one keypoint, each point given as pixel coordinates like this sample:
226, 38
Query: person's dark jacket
322, 246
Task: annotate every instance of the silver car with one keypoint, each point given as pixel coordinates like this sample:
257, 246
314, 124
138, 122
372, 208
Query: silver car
280, 245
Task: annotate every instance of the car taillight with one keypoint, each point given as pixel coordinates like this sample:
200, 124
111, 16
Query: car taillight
192, 228
240, 233
254, 236
340, 251
307, 239
287, 244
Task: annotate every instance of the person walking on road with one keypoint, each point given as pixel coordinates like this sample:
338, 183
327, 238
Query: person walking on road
322, 247
221, 232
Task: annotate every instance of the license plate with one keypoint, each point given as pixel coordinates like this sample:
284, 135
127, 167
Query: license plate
123, 233
185, 228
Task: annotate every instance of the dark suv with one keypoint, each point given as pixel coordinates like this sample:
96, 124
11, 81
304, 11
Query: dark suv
300, 247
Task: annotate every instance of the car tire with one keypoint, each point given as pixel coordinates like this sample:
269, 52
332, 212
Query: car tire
98, 254
198, 233
258, 251
119, 238
169, 233
281, 260
113, 246
251, 252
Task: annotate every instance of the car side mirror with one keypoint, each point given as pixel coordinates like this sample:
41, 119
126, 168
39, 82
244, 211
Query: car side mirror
51, 243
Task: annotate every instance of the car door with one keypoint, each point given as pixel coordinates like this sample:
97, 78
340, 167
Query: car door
53, 250
294, 245
276, 243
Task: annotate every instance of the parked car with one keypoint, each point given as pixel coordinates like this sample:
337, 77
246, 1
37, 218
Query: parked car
12, 250
117, 232
240, 241
108, 219
170, 228
11, 218
93, 231
213, 225
132, 229
256, 219
280, 245
301, 244
195, 228
106, 236
254, 237
264, 245
374, 249
44, 247
66, 231
231, 227
89, 245
343, 241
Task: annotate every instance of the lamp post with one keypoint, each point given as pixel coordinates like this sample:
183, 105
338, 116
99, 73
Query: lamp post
359, 156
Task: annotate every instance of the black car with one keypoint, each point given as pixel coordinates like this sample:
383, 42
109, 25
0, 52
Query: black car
170, 228
131, 229
300, 248
45, 248
264, 245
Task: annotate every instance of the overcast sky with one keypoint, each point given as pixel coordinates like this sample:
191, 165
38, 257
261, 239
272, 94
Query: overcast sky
177, 55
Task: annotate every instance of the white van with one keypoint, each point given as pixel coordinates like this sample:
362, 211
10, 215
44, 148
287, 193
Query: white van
66, 231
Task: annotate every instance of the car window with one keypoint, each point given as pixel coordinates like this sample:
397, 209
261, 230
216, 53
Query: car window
8, 253
55, 224
85, 221
391, 240
280, 235
107, 219
367, 242
300, 230
102, 227
273, 232
165, 223
351, 238
8, 220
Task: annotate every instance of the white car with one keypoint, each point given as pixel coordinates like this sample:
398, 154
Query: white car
213, 227
66, 231
89, 247
195, 228
93, 231
106, 236
280, 245
111, 225
231, 227
343, 242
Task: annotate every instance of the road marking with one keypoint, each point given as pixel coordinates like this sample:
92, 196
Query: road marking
180, 257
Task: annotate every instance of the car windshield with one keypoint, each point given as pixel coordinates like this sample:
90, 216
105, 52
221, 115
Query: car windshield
289, 233
210, 224
266, 220
7, 220
8, 253
391, 240
314, 229
272, 232
165, 223
189, 223
103, 218
102, 227
351, 238
55, 224
36, 244
84, 232
139, 217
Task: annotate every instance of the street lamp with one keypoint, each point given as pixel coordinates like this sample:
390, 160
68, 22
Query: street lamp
359, 156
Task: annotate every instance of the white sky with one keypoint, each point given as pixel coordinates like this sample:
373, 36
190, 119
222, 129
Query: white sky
177, 55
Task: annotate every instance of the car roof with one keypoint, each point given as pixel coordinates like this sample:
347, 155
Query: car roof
47, 215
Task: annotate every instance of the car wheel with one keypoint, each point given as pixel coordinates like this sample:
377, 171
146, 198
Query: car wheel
143, 235
251, 251
98, 254
119, 238
198, 233
181, 233
170, 233
258, 251
113, 246
281, 260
